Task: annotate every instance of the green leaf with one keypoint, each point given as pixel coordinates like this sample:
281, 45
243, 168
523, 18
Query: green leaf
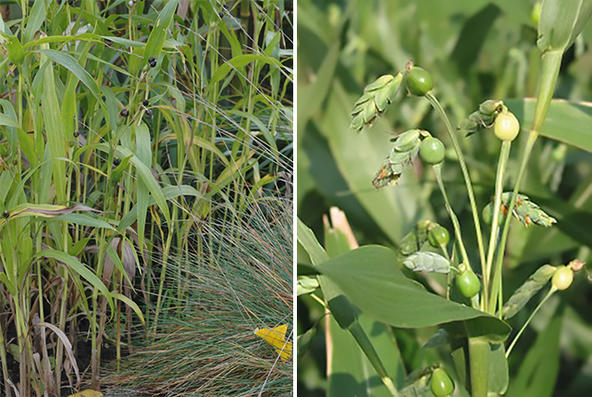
54, 128
85, 220
499, 377
306, 285
239, 62
351, 372
567, 122
426, 261
158, 34
560, 22
369, 278
35, 20
67, 61
78, 268
145, 175
133, 305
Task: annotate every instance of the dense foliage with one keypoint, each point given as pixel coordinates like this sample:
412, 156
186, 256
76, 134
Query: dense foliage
134, 135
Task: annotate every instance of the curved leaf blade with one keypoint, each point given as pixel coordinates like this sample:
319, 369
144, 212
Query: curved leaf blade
369, 278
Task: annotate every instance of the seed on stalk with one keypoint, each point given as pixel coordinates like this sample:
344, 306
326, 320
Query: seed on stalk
6, 214
124, 112
76, 134
116, 162
139, 26
145, 102
149, 113
152, 62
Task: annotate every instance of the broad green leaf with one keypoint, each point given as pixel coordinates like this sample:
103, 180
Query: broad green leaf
370, 278
306, 285
54, 127
335, 299
426, 261
36, 16
77, 267
67, 61
351, 369
144, 154
85, 220
158, 34
567, 122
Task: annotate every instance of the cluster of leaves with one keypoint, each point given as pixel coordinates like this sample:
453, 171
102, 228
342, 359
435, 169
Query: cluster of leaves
453, 42
125, 128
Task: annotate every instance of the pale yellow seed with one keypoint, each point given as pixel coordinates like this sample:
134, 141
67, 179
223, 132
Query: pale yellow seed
506, 126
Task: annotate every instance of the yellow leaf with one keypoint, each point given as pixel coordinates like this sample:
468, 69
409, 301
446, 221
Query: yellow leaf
276, 337
87, 393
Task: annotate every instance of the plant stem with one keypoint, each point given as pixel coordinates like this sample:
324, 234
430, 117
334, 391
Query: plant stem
499, 187
455, 223
479, 366
551, 61
461, 160
551, 292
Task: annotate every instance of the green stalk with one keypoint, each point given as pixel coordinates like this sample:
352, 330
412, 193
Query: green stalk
360, 336
455, 223
7, 390
551, 62
499, 189
461, 160
479, 366
551, 292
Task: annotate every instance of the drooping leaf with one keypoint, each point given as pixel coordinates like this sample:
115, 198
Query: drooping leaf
45, 210
77, 267
369, 278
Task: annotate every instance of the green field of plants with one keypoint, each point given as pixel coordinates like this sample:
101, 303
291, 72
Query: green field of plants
444, 199
146, 197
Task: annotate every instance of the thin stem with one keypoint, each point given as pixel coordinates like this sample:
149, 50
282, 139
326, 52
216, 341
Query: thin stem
551, 292
551, 62
461, 160
499, 186
455, 223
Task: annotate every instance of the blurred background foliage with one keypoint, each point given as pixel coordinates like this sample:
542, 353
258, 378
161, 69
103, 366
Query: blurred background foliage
475, 50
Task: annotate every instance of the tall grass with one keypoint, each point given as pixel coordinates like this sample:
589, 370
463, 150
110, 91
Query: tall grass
240, 280
125, 129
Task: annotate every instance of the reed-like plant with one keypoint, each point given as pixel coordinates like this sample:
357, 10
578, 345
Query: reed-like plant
124, 127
